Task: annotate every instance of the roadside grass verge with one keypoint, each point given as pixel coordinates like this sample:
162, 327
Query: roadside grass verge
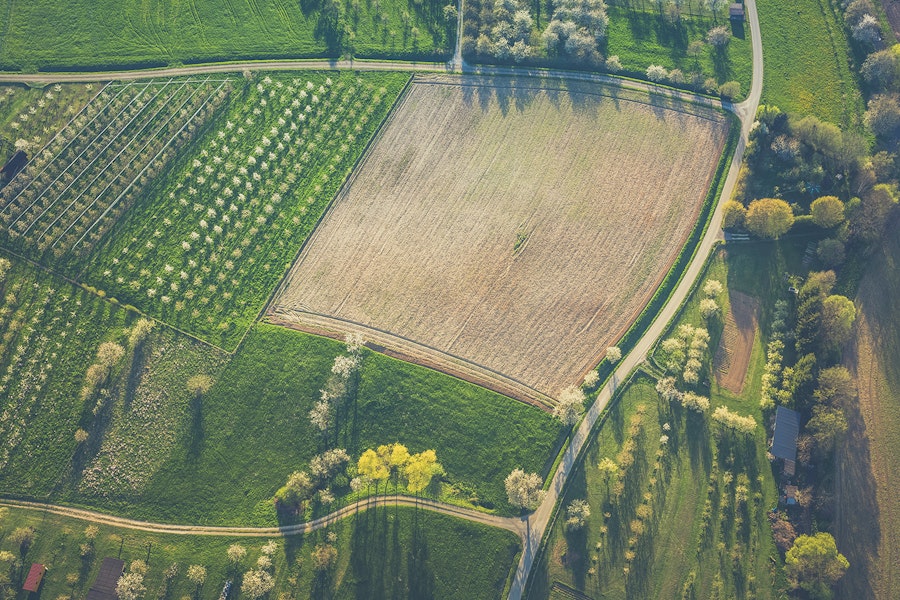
807, 62
235, 449
50, 35
384, 552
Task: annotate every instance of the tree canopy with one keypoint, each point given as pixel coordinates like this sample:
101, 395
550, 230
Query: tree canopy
769, 218
814, 564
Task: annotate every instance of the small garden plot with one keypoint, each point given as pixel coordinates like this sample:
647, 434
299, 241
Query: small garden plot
90, 173
207, 248
736, 344
518, 230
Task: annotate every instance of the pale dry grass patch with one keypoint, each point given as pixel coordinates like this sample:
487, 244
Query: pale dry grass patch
514, 230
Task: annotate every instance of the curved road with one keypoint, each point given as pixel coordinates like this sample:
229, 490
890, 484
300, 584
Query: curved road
533, 527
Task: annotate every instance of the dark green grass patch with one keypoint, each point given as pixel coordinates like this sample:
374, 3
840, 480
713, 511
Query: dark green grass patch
806, 58
108, 34
252, 430
383, 553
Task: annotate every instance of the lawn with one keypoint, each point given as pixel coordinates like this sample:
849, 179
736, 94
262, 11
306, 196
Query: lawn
209, 240
381, 553
662, 517
806, 57
449, 246
221, 462
107, 34
867, 523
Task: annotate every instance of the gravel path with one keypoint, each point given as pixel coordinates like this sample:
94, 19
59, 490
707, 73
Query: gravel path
515, 525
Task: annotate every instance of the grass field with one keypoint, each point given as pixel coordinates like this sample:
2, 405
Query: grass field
91, 34
384, 553
50, 333
806, 57
641, 39
209, 241
868, 471
503, 259
157, 456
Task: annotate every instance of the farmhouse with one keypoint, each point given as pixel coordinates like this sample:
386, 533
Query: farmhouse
104, 587
35, 575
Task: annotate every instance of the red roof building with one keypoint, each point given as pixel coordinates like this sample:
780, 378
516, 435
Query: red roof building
35, 574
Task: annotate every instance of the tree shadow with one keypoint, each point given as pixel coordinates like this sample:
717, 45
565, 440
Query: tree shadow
197, 428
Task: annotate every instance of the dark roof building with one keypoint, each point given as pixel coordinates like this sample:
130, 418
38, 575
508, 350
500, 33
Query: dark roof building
35, 575
784, 439
736, 11
104, 587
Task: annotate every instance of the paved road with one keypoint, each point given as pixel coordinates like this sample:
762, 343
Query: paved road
532, 528
539, 520
515, 525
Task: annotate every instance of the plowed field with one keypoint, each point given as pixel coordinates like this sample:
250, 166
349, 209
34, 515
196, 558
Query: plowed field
507, 231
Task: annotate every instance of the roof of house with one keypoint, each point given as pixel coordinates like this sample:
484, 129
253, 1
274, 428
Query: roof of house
33, 580
104, 587
736, 9
787, 428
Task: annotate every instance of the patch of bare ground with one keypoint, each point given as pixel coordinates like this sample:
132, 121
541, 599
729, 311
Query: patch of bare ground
511, 230
736, 344
868, 472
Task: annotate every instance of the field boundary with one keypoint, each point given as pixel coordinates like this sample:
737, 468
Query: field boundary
413, 352
276, 291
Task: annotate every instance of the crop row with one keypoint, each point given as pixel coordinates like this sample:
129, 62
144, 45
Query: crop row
205, 252
88, 175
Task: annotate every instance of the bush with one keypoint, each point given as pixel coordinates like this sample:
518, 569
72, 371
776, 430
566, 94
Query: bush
730, 89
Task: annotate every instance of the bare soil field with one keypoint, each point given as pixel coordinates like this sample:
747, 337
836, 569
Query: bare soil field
868, 467
508, 229
736, 344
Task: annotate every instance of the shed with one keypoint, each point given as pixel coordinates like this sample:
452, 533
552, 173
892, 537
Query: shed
736, 11
784, 439
104, 587
35, 575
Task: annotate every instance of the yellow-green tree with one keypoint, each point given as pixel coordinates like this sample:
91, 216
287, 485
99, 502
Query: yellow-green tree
421, 469
815, 565
769, 218
372, 467
733, 214
827, 211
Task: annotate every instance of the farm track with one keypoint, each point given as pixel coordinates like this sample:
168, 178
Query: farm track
516, 526
536, 524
